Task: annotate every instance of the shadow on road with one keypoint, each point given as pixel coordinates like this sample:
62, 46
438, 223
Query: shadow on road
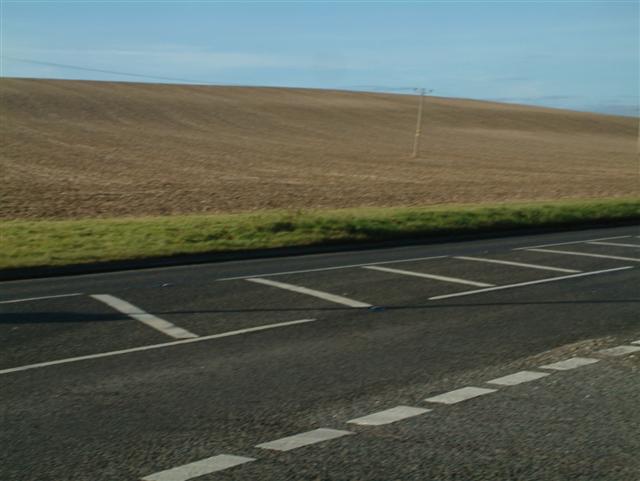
16, 318
383, 308
57, 317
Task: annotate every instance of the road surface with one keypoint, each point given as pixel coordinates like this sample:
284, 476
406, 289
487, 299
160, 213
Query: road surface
507, 359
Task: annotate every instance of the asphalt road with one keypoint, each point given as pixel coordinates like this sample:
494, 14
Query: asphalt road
199, 372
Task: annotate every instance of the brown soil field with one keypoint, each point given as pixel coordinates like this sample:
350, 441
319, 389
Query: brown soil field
74, 149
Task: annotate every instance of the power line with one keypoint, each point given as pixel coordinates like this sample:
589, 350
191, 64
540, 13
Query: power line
420, 91
370, 88
112, 72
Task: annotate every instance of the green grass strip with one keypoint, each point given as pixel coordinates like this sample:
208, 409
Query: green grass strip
55, 243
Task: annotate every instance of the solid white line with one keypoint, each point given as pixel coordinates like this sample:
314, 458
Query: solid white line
321, 269
388, 416
460, 395
569, 364
530, 283
150, 320
518, 378
619, 350
517, 264
310, 292
11, 301
199, 468
304, 439
154, 346
428, 276
574, 242
615, 244
586, 254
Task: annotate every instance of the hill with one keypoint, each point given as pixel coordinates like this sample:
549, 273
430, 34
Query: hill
95, 149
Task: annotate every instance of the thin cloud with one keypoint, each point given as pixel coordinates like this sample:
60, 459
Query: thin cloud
538, 98
509, 79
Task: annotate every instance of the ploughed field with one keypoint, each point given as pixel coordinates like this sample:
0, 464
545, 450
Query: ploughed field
73, 149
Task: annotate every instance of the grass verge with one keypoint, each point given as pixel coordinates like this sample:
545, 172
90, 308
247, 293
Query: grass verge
65, 242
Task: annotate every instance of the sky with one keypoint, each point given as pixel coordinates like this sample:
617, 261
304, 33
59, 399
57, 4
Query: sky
581, 55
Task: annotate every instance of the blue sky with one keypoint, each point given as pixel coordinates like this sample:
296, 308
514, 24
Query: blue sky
578, 55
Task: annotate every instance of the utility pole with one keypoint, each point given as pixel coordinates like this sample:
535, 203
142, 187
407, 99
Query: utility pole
416, 141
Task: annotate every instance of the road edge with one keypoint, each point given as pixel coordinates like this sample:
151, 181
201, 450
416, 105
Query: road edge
23, 273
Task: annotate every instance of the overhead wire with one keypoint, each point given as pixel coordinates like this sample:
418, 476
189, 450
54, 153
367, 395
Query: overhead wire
111, 72
365, 88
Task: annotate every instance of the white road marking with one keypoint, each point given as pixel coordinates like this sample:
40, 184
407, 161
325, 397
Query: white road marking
150, 320
321, 269
615, 244
199, 468
518, 378
310, 292
635, 342
517, 264
574, 242
586, 254
388, 416
619, 350
11, 301
569, 364
154, 346
522, 284
304, 439
460, 395
428, 276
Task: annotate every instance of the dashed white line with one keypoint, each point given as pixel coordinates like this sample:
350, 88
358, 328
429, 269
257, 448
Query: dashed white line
150, 320
586, 254
530, 283
517, 264
304, 439
310, 292
575, 242
154, 346
388, 416
333, 268
429, 276
26, 299
518, 378
619, 350
199, 468
614, 244
635, 342
460, 395
569, 364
